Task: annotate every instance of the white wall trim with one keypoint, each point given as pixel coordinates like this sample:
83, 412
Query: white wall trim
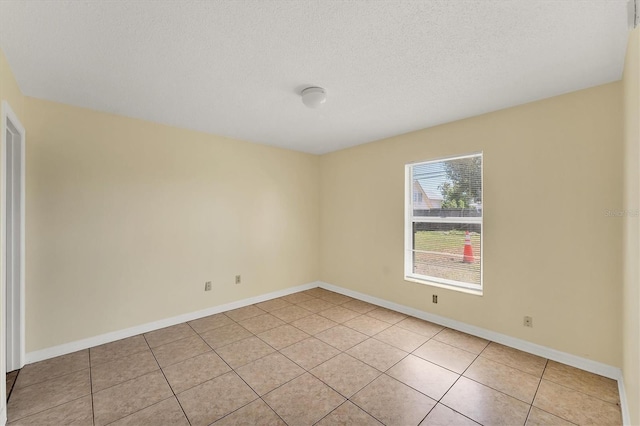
624, 407
78, 345
18, 307
553, 354
18, 355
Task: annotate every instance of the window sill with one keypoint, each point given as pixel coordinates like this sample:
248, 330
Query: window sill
476, 292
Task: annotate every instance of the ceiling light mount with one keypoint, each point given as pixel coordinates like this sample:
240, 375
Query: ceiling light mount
314, 96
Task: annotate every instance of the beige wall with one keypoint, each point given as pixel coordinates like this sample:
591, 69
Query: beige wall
551, 169
127, 219
631, 235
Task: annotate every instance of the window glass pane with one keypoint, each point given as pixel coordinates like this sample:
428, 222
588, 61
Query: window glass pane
441, 251
448, 188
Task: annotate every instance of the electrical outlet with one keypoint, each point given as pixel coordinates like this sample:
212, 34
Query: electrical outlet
528, 322
434, 298
207, 286
238, 279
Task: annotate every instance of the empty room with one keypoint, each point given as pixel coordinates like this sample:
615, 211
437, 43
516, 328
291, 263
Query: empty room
275, 212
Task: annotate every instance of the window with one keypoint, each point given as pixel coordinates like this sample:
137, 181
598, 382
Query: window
443, 234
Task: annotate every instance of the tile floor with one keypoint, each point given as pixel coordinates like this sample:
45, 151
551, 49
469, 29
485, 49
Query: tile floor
313, 357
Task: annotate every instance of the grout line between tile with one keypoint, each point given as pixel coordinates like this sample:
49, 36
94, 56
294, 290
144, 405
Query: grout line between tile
165, 378
54, 378
13, 386
93, 412
579, 391
536, 392
51, 408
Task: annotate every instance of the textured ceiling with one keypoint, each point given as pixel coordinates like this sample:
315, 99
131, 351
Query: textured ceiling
236, 68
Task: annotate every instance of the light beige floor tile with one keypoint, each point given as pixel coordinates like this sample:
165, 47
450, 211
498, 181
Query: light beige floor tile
283, 336
418, 326
442, 415
312, 400
314, 324
377, 354
291, 313
428, 378
538, 417
575, 406
348, 414
297, 298
78, 412
309, 353
523, 361
261, 323
509, 380
209, 323
273, 304
316, 305
169, 334
485, 405
122, 369
48, 394
336, 298
345, 374
583, 381
126, 398
447, 356
165, 413
212, 400
52, 368
339, 314
359, 306
255, 413
317, 292
194, 371
341, 337
118, 349
462, 340
392, 402
244, 313
401, 338
224, 335
266, 374
239, 353
180, 350
386, 315
367, 325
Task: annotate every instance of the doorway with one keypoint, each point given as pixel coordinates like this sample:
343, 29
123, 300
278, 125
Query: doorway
12, 235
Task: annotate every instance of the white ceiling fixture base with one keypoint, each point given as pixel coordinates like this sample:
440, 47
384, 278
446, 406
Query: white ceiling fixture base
313, 97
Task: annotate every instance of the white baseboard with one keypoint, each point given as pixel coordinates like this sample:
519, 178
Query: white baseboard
626, 418
3, 415
78, 345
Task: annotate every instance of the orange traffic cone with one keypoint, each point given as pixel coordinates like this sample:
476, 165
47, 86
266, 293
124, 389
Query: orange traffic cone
468, 251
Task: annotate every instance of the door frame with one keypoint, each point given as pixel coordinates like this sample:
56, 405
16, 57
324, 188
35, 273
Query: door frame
12, 310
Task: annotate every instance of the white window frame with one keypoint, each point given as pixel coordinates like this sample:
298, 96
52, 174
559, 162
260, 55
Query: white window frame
409, 275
